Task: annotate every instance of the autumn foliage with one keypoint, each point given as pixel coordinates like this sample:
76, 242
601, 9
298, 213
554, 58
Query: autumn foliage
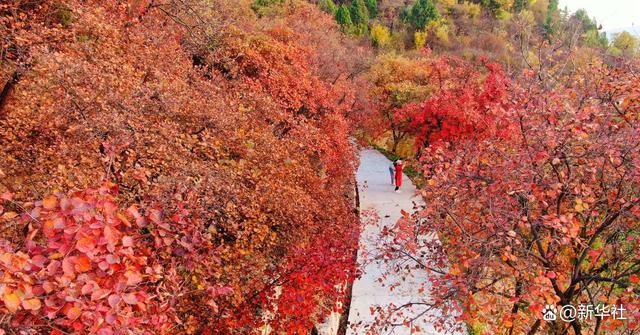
543, 211
185, 167
85, 265
222, 141
468, 104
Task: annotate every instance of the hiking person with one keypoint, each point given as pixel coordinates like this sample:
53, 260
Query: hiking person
399, 165
392, 172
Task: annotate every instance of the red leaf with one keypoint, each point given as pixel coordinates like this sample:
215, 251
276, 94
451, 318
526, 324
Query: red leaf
99, 294
73, 312
86, 244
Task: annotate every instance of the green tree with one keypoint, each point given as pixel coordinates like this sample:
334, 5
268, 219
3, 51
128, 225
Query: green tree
263, 6
372, 7
359, 17
359, 12
550, 23
585, 20
344, 17
519, 5
492, 5
625, 44
328, 6
593, 38
422, 12
405, 14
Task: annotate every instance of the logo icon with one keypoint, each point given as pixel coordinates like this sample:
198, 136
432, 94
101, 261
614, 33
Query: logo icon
568, 313
549, 313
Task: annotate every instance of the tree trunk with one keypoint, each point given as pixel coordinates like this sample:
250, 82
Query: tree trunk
394, 148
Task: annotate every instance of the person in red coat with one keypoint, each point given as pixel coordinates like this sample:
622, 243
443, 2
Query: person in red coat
399, 168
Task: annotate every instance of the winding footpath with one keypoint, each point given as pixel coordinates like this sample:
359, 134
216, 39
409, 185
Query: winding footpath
376, 195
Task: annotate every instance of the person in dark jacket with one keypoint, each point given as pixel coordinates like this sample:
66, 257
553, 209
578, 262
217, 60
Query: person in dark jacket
392, 172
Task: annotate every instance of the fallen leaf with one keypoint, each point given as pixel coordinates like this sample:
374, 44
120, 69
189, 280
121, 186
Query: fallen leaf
50, 202
86, 244
127, 241
130, 298
73, 313
82, 263
32, 304
11, 301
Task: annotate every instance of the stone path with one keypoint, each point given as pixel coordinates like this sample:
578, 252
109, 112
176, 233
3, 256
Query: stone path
376, 194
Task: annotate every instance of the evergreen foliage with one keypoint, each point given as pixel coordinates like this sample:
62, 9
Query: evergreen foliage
343, 16
550, 22
519, 5
359, 12
328, 6
372, 7
422, 12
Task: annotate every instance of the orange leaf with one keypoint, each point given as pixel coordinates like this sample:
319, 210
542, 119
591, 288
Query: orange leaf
67, 266
9, 215
31, 304
48, 228
86, 244
12, 301
82, 263
50, 202
111, 235
73, 313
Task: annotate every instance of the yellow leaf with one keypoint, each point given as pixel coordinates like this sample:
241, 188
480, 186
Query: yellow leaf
11, 301
56, 255
575, 228
9, 215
